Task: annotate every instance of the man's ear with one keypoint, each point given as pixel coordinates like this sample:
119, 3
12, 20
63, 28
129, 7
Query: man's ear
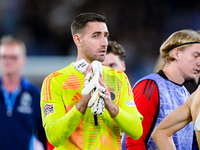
175, 53
77, 39
123, 66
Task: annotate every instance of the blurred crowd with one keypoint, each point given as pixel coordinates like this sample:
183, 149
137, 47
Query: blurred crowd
140, 26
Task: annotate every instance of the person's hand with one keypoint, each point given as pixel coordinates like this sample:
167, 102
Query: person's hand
109, 105
91, 85
106, 94
92, 78
83, 103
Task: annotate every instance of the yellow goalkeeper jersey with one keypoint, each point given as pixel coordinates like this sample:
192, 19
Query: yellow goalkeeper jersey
68, 129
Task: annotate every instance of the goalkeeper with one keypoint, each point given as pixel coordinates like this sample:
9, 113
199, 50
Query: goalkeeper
84, 105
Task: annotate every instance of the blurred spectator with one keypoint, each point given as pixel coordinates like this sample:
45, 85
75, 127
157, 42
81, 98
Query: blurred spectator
115, 56
19, 101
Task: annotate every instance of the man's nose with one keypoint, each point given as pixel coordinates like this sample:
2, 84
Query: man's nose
104, 42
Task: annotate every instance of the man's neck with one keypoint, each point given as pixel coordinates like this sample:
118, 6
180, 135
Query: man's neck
11, 82
173, 75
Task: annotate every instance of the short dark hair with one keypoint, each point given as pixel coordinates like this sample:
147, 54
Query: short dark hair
117, 49
82, 19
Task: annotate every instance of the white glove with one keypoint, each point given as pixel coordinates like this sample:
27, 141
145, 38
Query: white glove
94, 97
94, 82
80, 65
97, 97
99, 106
91, 84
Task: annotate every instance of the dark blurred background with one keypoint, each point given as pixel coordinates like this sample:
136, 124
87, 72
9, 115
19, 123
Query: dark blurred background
139, 26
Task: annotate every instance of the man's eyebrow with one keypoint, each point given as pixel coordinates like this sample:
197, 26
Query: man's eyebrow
99, 32
107, 32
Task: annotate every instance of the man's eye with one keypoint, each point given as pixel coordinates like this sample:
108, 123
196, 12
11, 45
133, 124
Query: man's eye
196, 56
112, 65
106, 35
